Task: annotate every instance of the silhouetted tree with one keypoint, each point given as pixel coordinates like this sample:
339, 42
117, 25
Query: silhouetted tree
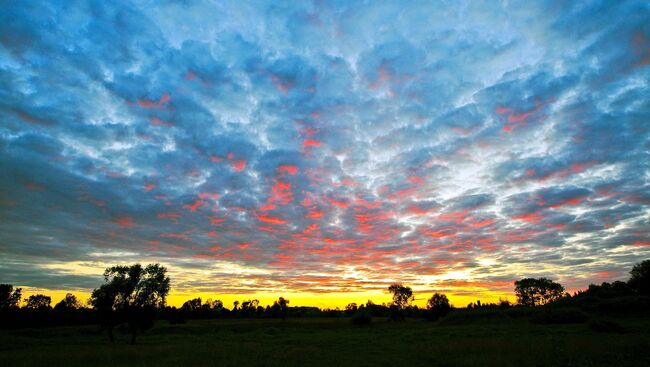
351, 308
69, 302
280, 308
640, 278
215, 305
249, 308
132, 293
607, 290
9, 297
212, 308
535, 292
377, 310
38, 302
361, 318
192, 305
504, 303
402, 296
437, 306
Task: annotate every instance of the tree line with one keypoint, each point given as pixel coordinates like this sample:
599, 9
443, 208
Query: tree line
134, 296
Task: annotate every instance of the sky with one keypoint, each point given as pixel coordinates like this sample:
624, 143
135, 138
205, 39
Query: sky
324, 150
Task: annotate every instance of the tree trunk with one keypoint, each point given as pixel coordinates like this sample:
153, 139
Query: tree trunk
134, 332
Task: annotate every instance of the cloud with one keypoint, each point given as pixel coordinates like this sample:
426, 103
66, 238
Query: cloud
325, 146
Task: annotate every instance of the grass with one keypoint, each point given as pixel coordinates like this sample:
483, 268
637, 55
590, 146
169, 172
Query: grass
455, 341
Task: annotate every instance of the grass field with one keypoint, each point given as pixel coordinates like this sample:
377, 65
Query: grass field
489, 341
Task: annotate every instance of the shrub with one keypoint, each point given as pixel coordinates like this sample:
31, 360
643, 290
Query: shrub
560, 316
437, 306
361, 318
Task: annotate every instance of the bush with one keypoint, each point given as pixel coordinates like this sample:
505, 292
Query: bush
361, 318
396, 313
437, 306
624, 305
560, 316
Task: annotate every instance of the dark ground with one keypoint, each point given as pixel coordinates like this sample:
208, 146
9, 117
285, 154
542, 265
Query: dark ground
493, 340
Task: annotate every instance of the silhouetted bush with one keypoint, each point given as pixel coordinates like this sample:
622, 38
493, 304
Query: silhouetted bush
640, 278
361, 318
486, 316
279, 309
437, 306
351, 309
621, 305
395, 313
562, 315
328, 312
376, 310
304, 311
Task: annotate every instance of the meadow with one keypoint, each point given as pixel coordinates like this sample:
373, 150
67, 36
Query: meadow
490, 338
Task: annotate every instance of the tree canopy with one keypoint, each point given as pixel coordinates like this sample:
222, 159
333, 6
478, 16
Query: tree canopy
402, 295
438, 306
131, 292
537, 292
38, 302
9, 297
640, 278
68, 302
280, 308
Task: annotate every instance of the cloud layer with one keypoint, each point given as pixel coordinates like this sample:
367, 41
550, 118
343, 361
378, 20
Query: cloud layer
326, 146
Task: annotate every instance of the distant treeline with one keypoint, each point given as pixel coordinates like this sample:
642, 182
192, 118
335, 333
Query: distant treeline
135, 296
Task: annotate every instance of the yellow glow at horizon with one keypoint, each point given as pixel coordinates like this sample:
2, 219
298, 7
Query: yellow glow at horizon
459, 296
324, 300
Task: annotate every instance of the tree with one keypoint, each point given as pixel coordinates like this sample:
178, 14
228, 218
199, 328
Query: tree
212, 308
402, 296
437, 306
351, 308
280, 308
249, 307
504, 303
192, 305
640, 278
9, 297
536, 292
131, 293
607, 290
69, 302
216, 305
38, 302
